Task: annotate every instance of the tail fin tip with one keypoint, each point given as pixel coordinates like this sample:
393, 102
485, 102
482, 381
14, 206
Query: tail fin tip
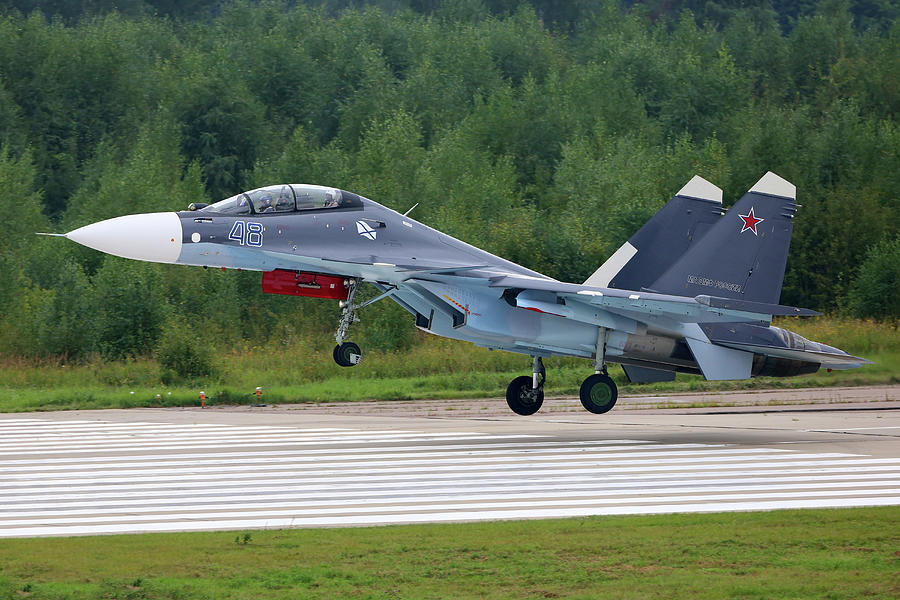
700, 188
774, 185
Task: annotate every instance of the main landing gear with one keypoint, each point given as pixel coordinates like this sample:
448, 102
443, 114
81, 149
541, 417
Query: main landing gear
598, 393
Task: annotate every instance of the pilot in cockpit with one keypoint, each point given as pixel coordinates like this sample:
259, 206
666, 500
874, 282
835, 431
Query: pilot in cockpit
265, 204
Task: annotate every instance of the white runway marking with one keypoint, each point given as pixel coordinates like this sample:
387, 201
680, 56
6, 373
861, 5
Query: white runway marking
94, 477
855, 428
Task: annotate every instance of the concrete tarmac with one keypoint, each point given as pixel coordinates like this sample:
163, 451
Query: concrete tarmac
129, 471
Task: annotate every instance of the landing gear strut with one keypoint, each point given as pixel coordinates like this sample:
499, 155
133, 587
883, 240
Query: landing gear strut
347, 354
598, 392
526, 394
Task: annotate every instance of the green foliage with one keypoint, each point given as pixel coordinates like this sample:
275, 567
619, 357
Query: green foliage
19, 198
243, 540
546, 134
389, 156
63, 323
876, 291
607, 187
76, 86
129, 307
223, 127
479, 200
183, 352
300, 369
153, 177
388, 328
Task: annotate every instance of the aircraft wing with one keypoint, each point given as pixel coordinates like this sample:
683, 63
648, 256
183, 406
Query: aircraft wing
403, 266
630, 311
555, 297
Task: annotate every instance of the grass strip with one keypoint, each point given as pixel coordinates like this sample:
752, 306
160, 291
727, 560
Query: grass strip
829, 553
349, 387
432, 368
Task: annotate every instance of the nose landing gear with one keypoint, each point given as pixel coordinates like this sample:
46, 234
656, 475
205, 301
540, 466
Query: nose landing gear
347, 354
525, 394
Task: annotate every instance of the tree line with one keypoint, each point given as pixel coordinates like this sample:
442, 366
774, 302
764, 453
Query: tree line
544, 137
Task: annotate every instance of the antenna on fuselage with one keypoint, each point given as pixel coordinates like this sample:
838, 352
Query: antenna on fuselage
406, 214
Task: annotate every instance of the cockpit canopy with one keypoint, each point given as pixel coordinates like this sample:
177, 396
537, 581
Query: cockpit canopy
280, 199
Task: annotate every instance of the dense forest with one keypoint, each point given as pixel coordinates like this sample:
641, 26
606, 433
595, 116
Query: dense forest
545, 132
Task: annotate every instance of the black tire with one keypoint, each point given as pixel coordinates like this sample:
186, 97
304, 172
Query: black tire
342, 354
599, 393
521, 398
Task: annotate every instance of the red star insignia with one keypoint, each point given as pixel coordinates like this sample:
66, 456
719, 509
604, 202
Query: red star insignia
750, 221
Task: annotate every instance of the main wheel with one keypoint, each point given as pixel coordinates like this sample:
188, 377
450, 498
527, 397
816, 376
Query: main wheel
598, 393
522, 398
347, 354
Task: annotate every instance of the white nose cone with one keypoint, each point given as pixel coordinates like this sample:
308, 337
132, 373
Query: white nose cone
155, 237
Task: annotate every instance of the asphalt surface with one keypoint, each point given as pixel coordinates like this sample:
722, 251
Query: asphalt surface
128, 471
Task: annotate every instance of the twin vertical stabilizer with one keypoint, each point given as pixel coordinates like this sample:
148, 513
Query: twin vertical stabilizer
690, 248
743, 256
662, 239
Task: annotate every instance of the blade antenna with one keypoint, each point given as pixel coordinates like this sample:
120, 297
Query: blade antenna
406, 214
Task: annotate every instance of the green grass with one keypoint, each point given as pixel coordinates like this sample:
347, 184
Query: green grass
432, 368
835, 554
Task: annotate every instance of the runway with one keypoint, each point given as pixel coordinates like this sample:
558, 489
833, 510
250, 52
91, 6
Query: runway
104, 472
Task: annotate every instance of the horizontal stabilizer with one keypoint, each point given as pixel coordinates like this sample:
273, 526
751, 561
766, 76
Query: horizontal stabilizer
755, 307
829, 360
779, 343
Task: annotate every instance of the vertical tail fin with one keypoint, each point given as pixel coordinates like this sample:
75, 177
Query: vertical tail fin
744, 254
663, 239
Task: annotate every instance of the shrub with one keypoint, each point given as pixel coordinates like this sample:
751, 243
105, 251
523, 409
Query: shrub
182, 354
876, 291
130, 307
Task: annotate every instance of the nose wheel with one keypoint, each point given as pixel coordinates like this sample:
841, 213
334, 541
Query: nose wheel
525, 394
522, 398
347, 354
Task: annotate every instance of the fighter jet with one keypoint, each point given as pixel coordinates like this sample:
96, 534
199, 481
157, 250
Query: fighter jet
693, 291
